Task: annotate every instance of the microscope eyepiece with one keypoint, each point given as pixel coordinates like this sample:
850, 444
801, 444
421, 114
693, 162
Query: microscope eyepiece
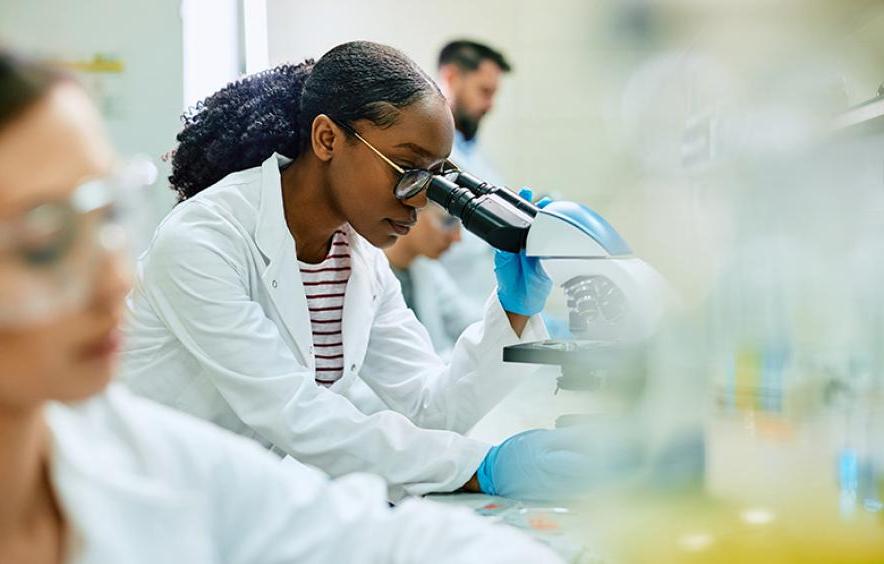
480, 187
484, 209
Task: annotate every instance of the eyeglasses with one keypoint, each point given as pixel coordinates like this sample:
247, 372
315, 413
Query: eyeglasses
411, 181
50, 254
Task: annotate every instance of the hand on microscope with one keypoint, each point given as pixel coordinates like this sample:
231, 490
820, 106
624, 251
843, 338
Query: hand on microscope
522, 284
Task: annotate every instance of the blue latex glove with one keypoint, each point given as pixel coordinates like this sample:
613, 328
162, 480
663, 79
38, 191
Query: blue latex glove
522, 284
557, 328
554, 464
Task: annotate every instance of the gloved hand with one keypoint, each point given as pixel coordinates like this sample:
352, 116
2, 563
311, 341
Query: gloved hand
552, 464
522, 284
556, 327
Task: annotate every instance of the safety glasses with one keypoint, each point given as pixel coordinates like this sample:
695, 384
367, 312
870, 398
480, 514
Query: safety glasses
411, 181
50, 253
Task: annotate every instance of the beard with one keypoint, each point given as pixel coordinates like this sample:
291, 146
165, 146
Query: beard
468, 125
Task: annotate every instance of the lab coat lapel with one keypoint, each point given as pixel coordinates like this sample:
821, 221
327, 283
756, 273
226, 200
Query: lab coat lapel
359, 303
283, 280
271, 230
282, 277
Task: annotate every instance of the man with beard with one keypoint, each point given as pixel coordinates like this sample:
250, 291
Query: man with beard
469, 76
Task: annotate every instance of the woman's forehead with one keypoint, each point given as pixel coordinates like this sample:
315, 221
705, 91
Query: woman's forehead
424, 129
52, 147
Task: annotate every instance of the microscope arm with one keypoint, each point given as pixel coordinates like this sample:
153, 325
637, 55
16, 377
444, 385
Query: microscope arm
611, 294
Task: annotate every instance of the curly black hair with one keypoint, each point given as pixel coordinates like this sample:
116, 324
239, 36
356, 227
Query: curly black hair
242, 124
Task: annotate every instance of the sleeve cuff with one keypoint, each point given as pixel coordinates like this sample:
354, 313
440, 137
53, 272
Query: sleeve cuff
535, 329
471, 455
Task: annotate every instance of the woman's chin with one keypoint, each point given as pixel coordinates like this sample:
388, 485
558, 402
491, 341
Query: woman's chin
381, 240
87, 382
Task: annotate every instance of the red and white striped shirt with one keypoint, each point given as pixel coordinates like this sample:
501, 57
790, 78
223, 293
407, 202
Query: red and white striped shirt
324, 285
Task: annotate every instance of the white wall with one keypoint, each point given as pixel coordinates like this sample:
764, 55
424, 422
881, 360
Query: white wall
211, 46
141, 105
549, 129
174, 53
145, 35
602, 91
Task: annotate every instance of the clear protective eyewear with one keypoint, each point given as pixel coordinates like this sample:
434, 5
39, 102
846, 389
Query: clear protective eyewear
50, 254
411, 181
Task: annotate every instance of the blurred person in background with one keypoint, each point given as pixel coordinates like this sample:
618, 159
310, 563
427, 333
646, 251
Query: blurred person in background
470, 74
92, 475
427, 287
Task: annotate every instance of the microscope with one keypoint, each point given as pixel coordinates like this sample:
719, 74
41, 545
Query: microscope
614, 299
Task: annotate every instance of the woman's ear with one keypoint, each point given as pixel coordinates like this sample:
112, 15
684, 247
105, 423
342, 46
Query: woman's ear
323, 134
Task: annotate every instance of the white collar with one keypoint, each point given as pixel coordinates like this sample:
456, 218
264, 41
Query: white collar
271, 231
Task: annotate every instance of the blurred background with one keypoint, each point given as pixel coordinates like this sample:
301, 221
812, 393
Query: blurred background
596, 108
738, 146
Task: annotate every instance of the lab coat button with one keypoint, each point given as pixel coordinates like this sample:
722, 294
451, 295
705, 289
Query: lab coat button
374, 297
352, 368
274, 284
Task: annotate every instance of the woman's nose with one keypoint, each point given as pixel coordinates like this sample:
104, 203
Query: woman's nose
113, 280
417, 201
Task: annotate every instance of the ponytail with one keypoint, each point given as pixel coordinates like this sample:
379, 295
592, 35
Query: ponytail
243, 124
238, 127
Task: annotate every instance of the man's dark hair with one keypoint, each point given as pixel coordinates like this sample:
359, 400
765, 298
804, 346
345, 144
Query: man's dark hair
245, 122
468, 55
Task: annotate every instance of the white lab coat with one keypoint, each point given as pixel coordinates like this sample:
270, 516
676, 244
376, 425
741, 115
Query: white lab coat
440, 307
143, 484
218, 327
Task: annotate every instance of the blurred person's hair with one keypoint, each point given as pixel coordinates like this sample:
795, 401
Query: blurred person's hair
244, 123
468, 55
23, 83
